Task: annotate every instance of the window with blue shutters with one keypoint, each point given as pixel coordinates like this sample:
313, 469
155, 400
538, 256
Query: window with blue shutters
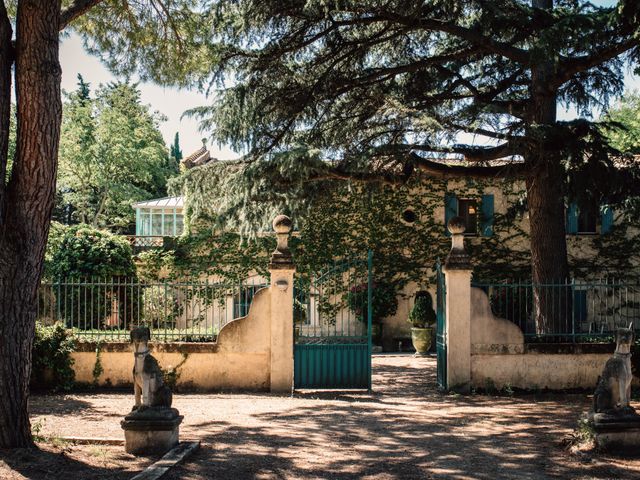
478, 218
583, 220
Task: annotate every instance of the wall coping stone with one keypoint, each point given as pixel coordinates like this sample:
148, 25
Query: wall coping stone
172, 347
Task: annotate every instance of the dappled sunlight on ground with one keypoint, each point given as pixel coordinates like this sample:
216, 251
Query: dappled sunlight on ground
404, 429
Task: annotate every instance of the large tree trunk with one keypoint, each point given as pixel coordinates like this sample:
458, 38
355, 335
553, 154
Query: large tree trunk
545, 201
27, 207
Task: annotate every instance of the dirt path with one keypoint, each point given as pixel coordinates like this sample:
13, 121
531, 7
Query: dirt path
404, 430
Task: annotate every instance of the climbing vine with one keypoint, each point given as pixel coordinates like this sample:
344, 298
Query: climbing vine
402, 225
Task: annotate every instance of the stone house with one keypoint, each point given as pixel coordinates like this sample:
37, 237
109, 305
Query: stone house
405, 226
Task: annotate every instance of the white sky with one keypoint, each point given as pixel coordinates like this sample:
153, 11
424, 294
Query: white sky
169, 101
173, 102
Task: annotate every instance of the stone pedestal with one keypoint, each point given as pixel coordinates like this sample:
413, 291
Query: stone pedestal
617, 432
151, 431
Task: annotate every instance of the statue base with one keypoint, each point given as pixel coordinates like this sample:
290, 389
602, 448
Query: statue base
151, 430
617, 431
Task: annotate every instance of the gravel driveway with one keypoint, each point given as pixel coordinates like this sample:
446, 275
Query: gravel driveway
405, 429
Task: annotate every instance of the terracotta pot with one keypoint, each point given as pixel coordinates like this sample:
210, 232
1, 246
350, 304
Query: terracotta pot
421, 339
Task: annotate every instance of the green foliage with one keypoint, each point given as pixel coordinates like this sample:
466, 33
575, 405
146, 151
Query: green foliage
112, 154
422, 314
384, 301
85, 252
626, 114
89, 255
51, 356
326, 91
176, 152
161, 306
98, 369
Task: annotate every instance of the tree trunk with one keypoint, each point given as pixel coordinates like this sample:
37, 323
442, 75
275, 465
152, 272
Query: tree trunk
545, 198
29, 200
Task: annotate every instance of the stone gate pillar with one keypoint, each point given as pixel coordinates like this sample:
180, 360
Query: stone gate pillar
457, 270
282, 270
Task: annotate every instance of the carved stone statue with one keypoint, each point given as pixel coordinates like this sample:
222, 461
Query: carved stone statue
152, 427
613, 391
148, 383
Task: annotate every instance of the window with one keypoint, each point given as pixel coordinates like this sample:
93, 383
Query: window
587, 219
477, 213
159, 222
468, 211
584, 219
409, 216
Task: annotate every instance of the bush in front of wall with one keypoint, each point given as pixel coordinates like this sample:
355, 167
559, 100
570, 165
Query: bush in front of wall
422, 314
384, 301
89, 274
51, 357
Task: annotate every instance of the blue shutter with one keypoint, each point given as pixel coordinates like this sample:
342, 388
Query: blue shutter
572, 219
450, 209
486, 227
607, 219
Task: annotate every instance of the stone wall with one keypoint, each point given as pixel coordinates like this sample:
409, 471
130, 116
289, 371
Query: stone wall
499, 356
239, 360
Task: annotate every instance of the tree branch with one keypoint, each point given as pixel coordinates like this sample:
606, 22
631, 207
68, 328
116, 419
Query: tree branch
570, 66
75, 10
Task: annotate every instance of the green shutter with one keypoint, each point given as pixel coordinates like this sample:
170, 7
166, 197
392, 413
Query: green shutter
572, 219
486, 207
450, 209
606, 213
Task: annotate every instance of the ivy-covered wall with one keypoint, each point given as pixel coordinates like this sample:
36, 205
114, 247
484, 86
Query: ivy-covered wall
362, 217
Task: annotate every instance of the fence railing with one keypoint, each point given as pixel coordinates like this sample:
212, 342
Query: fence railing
106, 309
575, 311
332, 304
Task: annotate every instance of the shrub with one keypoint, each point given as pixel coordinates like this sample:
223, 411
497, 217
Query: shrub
85, 252
422, 314
84, 259
383, 300
51, 357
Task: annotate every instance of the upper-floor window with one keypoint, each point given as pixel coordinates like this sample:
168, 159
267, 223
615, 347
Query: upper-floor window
468, 211
477, 213
588, 219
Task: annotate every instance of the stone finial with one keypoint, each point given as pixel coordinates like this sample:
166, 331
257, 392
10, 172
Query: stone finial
458, 258
281, 256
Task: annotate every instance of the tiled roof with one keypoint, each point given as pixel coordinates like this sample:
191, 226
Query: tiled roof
166, 202
197, 158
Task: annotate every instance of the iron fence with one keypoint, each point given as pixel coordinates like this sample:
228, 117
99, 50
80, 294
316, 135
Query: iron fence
574, 311
332, 304
106, 309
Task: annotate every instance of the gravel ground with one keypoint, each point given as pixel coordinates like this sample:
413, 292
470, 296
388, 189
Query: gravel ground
64, 461
404, 429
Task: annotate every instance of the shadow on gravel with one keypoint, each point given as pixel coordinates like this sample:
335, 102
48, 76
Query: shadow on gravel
397, 432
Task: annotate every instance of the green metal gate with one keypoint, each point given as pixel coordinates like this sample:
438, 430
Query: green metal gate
441, 327
332, 327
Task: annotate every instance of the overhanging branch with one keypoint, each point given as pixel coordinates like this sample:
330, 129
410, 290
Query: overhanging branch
75, 10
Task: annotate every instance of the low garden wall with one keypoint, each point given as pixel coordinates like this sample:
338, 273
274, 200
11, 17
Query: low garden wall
500, 358
239, 360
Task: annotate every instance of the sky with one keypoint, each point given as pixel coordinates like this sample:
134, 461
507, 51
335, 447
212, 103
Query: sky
169, 101
173, 102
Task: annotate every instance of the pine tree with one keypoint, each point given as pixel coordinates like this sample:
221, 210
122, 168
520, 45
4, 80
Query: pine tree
159, 40
176, 153
377, 91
